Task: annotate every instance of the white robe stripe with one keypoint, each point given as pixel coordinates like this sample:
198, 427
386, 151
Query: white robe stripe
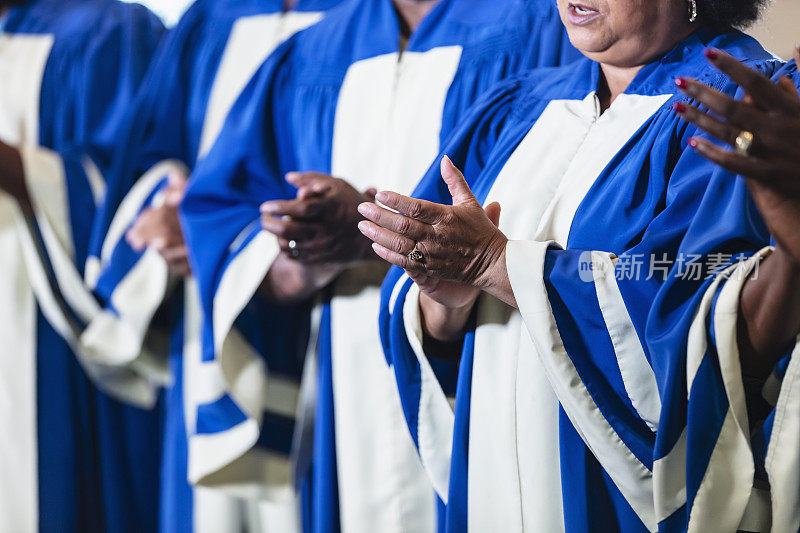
525, 260
727, 484
783, 457
669, 475
637, 374
435, 418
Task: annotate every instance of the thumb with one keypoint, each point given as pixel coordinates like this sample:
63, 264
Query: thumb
176, 189
493, 212
303, 179
787, 86
177, 180
456, 183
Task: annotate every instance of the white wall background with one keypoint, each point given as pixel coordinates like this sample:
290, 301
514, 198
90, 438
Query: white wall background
779, 30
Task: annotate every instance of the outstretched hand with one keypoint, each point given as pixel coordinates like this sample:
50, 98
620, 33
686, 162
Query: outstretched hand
764, 130
770, 112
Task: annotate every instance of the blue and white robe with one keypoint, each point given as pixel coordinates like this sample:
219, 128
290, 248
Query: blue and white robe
342, 98
571, 413
73, 458
199, 71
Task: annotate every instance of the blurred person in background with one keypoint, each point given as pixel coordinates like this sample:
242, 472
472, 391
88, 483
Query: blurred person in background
366, 96
139, 302
73, 458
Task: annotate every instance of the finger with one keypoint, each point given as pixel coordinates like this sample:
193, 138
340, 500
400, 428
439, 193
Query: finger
387, 239
765, 93
306, 179
397, 259
304, 193
135, 240
304, 248
493, 212
743, 165
142, 231
177, 179
395, 222
175, 254
174, 197
421, 210
370, 193
456, 183
176, 188
739, 114
289, 229
298, 209
786, 85
180, 268
718, 129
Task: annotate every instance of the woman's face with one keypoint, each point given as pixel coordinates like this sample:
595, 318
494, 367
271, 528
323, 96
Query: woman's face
625, 33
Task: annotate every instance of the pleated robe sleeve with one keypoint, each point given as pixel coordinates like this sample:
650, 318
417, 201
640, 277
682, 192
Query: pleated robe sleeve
595, 322
741, 439
131, 286
88, 87
245, 425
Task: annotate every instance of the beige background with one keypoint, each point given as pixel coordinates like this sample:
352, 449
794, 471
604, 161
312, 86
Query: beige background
779, 30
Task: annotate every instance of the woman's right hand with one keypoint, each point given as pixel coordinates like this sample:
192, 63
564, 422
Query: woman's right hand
446, 305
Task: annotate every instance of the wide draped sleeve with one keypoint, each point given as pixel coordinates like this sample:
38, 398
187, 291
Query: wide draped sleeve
88, 85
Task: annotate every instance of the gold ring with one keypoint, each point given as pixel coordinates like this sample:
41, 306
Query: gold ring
293, 251
744, 142
415, 255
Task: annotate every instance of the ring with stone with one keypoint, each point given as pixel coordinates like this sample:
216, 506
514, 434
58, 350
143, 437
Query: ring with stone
415, 255
744, 142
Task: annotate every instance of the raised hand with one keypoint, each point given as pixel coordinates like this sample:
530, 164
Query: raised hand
768, 119
318, 227
159, 228
764, 131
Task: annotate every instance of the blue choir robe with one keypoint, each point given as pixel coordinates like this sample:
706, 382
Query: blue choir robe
73, 458
131, 308
571, 413
341, 98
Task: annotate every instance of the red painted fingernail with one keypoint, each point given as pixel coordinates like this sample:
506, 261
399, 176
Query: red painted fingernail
681, 83
693, 142
711, 54
679, 107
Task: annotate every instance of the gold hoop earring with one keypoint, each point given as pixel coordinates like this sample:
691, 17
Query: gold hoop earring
692, 11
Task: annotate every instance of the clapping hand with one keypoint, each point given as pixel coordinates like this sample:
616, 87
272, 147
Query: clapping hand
160, 229
763, 131
450, 251
318, 227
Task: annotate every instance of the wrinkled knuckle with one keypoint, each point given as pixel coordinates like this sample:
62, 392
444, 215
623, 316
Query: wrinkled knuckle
729, 108
404, 226
414, 210
397, 244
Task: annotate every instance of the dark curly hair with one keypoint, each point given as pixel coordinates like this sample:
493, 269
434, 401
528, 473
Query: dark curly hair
730, 13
